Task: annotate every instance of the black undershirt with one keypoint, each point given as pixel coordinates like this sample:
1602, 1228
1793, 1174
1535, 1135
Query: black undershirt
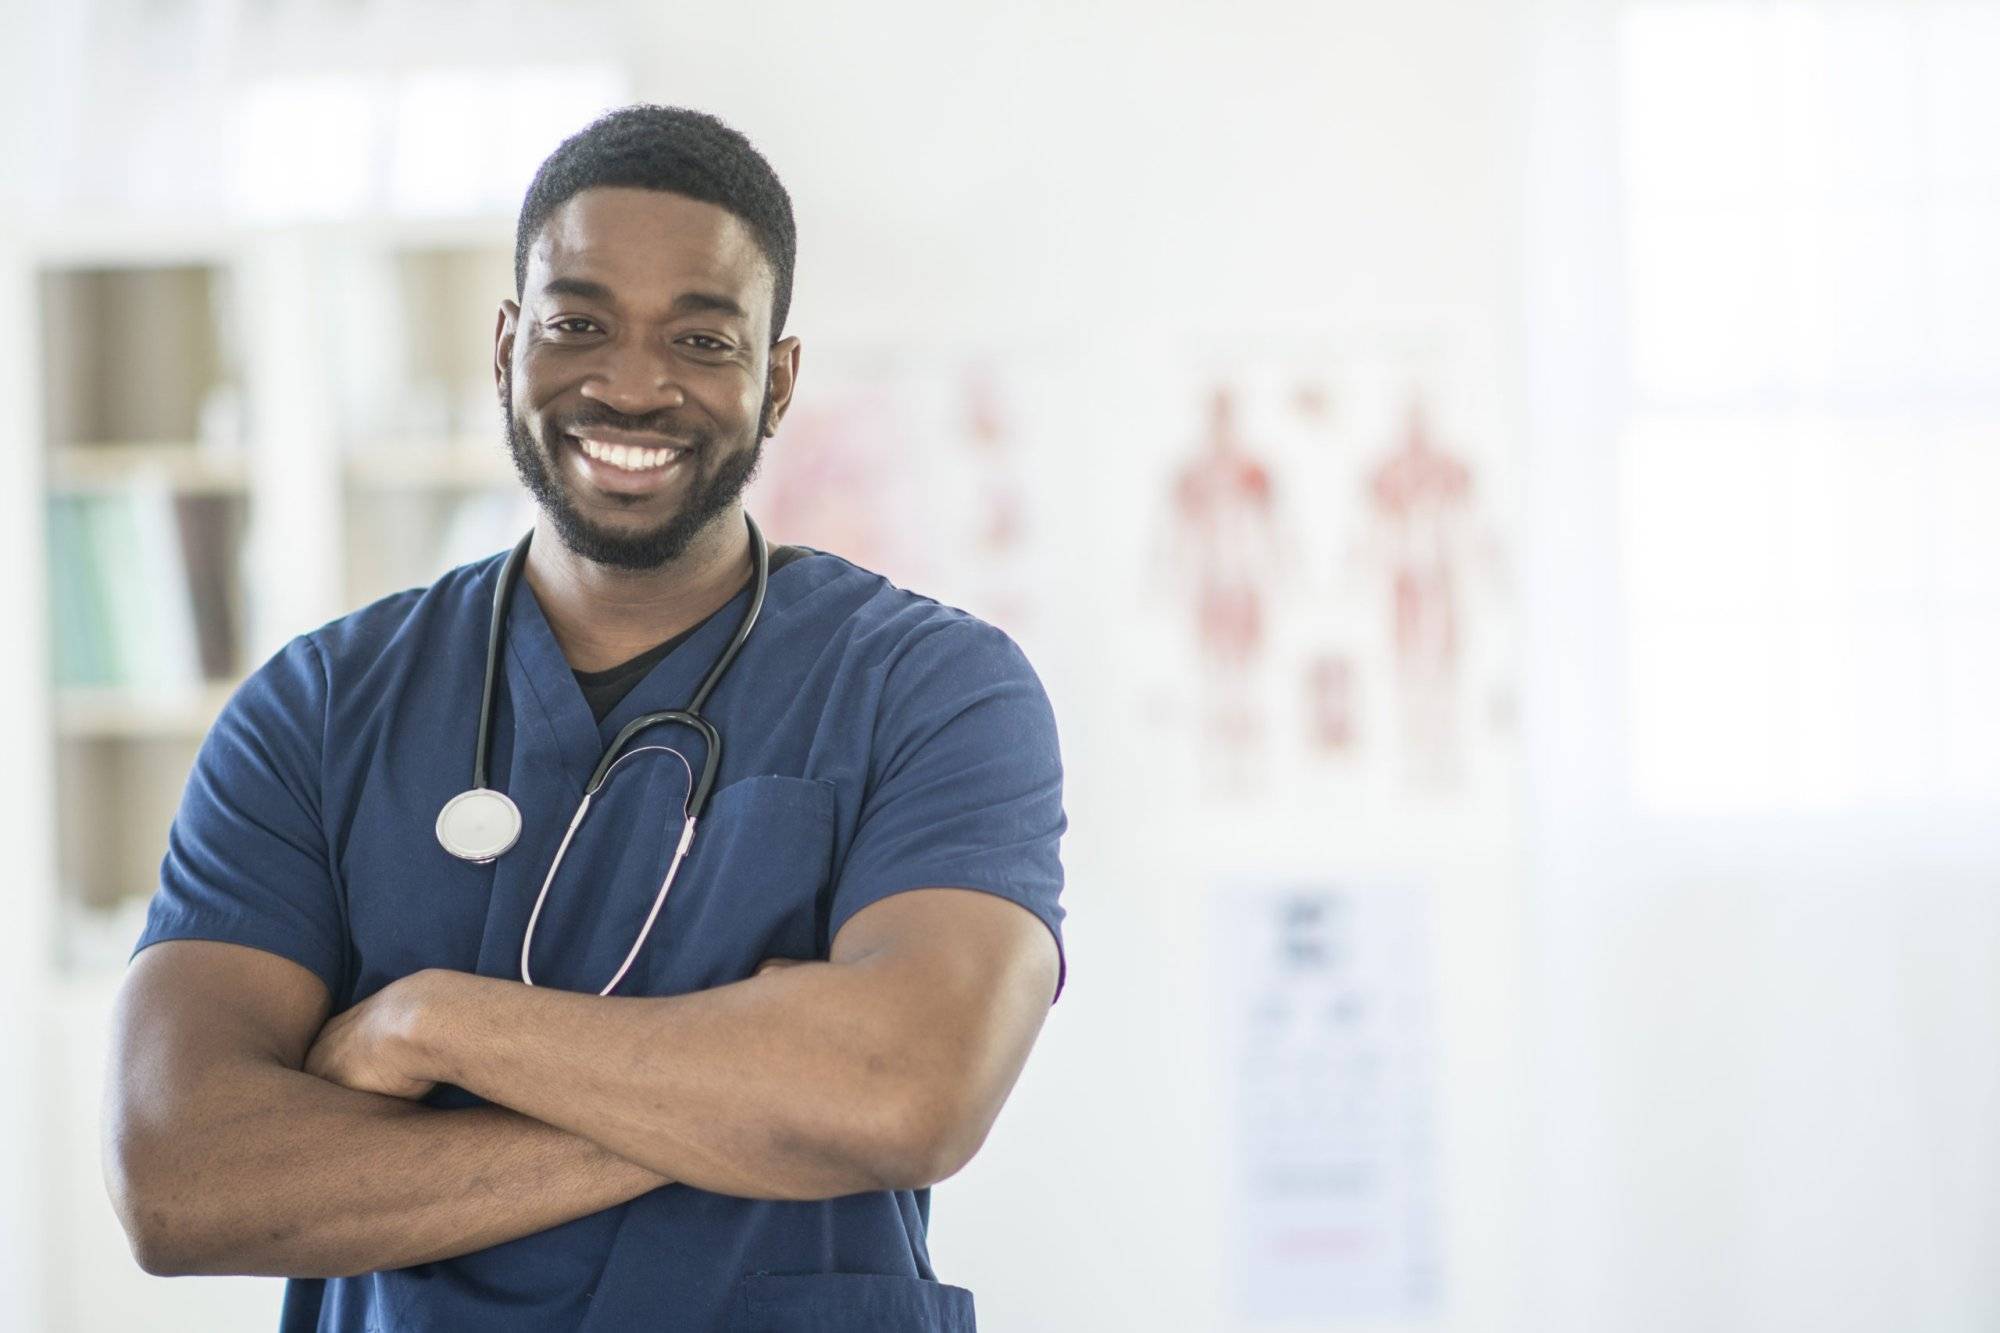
605, 688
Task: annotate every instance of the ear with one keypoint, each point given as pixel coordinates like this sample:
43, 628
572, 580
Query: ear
503, 341
783, 377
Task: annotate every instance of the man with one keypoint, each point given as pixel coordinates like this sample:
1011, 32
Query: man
842, 985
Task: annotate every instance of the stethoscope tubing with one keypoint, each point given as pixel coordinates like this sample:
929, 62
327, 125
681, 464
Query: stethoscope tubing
699, 789
690, 716
659, 899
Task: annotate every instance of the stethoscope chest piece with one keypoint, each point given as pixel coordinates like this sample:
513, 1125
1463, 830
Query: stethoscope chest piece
478, 825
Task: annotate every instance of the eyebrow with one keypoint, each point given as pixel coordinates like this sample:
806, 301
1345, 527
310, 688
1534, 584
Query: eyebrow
685, 303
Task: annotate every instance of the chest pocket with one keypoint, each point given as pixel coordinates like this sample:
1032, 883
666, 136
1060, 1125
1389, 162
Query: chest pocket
848, 1303
760, 884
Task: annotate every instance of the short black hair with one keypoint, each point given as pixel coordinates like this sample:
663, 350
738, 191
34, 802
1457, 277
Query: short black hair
675, 149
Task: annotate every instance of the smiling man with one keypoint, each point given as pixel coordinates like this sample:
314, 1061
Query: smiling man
723, 1099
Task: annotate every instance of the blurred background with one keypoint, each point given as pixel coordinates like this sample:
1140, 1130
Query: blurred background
1499, 492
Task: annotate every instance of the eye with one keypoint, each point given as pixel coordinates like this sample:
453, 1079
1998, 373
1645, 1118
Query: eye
712, 344
557, 324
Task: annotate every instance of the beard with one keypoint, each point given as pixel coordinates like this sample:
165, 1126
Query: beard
708, 498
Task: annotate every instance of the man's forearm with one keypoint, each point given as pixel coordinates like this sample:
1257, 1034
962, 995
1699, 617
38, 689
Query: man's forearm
803, 1084
277, 1172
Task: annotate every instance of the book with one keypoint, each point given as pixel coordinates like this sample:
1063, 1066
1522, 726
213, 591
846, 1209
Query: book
142, 587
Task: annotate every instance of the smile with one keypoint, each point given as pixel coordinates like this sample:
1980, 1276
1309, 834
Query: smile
628, 458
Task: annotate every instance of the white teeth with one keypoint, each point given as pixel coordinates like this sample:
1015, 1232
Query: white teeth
625, 456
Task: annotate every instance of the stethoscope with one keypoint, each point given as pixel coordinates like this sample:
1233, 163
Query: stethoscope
478, 825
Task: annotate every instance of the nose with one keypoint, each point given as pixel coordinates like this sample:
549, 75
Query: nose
635, 378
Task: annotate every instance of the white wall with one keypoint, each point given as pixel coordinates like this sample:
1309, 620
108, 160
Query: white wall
1120, 179
1765, 1091
1111, 181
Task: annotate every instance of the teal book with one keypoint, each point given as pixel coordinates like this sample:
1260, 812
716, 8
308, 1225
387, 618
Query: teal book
79, 635
142, 584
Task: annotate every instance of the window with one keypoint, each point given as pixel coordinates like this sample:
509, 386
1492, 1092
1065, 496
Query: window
1813, 457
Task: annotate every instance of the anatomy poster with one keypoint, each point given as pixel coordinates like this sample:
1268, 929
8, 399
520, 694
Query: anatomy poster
1226, 555
918, 466
838, 474
1425, 548
1327, 1055
1328, 560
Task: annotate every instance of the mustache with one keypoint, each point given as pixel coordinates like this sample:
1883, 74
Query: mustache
649, 425
658, 423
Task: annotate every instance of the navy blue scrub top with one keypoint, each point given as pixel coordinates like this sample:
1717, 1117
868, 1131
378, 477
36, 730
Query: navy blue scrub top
874, 741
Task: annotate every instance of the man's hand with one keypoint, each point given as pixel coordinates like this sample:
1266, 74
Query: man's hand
223, 1157
880, 1067
373, 1046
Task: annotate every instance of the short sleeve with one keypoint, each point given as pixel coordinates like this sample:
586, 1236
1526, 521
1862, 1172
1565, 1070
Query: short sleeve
247, 856
965, 782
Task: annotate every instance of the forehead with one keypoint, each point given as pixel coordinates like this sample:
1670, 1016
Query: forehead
649, 246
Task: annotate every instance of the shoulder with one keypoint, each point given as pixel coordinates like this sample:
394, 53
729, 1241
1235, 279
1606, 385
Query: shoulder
895, 632
915, 675
365, 651
410, 621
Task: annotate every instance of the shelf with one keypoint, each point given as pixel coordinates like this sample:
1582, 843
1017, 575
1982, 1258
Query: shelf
183, 466
177, 547
465, 464
145, 352
88, 713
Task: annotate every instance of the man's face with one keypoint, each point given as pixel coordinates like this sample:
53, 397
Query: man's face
637, 376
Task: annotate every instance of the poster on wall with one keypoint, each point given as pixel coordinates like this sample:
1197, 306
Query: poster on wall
1327, 1051
1329, 559
918, 465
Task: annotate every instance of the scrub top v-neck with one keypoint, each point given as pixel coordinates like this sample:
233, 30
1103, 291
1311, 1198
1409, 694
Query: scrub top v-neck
876, 741
603, 689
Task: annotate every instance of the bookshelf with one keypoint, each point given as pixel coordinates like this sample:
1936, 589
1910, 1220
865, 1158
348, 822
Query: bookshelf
426, 480
237, 436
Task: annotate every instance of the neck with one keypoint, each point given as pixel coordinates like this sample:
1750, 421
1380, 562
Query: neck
603, 616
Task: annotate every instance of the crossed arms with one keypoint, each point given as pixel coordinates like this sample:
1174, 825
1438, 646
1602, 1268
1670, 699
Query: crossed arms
244, 1133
